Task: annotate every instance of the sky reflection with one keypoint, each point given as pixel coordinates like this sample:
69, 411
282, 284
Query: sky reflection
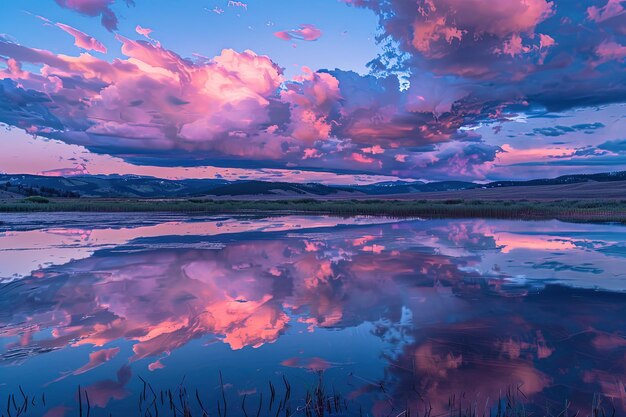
442, 306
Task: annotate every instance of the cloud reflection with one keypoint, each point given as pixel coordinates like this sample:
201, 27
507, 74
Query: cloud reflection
461, 305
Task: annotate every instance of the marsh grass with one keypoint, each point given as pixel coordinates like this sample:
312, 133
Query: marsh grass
592, 211
37, 199
316, 400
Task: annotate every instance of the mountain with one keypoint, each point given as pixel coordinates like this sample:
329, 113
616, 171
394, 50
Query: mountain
106, 186
403, 187
132, 186
564, 179
267, 188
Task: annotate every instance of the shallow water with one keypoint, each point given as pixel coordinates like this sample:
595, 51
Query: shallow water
392, 313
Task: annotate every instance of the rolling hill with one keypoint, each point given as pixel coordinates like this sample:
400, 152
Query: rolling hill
130, 186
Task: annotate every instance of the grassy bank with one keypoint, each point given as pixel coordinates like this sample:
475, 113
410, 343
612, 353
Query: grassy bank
593, 211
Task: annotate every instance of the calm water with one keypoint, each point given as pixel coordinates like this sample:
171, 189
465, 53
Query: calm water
385, 309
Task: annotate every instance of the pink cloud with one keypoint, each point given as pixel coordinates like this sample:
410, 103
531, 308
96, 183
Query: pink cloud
546, 41
511, 155
59, 411
96, 359
513, 46
438, 24
374, 150
463, 37
310, 153
306, 32
311, 97
377, 249
611, 51
217, 10
237, 105
14, 70
145, 32
312, 364
82, 40
153, 366
611, 9
202, 103
362, 159
233, 3
100, 393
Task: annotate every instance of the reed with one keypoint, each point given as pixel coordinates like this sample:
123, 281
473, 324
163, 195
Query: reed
314, 400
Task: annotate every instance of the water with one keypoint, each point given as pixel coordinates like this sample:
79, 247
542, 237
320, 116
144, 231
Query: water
391, 313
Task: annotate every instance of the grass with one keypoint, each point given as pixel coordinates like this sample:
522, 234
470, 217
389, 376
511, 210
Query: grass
571, 210
316, 399
37, 199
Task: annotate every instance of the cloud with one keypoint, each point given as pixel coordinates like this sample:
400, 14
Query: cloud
447, 31
102, 392
154, 99
58, 411
249, 291
418, 113
96, 359
145, 32
615, 146
82, 40
612, 9
311, 364
236, 109
94, 8
311, 98
528, 52
563, 130
362, 159
456, 159
610, 51
78, 169
306, 32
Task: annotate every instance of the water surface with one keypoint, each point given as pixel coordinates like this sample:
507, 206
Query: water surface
389, 312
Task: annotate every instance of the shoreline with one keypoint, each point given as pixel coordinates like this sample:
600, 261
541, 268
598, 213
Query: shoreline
566, 210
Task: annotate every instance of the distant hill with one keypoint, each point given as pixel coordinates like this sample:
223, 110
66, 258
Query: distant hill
131, 186
564, 179
106, 186
401, 187
148, 187
266, 188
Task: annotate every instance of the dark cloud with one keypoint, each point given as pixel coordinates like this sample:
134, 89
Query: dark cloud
616, 146
556, 54
562, 130
95, 8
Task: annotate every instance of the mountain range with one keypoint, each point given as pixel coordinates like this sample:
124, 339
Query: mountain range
130, 186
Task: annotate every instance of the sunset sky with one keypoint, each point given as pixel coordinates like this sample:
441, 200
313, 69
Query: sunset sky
333, 91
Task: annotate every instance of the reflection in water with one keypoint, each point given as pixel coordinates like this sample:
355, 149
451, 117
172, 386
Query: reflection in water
438, 307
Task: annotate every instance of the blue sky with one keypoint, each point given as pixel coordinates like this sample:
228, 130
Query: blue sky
348, 41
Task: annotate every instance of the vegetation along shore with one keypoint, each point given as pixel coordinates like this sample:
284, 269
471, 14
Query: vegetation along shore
569, 210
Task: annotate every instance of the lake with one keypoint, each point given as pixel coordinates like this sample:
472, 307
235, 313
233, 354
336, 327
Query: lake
160, 313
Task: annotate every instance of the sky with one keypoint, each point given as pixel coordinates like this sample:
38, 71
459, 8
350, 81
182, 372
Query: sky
332, 91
